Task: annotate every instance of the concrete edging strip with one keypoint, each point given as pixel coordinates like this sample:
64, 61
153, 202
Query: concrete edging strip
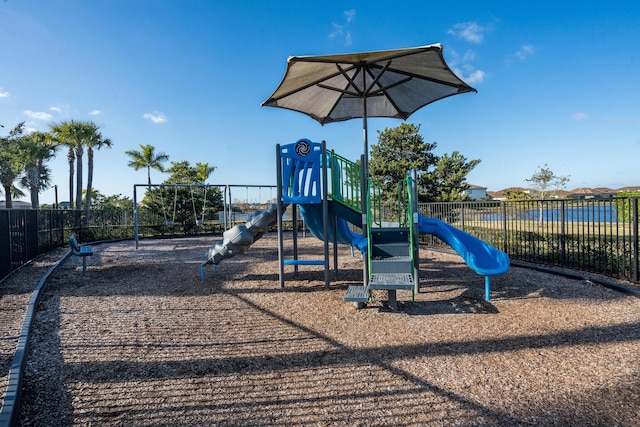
11, 405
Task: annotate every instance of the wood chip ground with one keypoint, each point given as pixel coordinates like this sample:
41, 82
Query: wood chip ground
143, 342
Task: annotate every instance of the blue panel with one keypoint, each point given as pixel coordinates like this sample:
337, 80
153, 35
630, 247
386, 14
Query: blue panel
301, 179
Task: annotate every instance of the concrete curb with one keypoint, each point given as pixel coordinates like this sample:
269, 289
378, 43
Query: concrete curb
11, 405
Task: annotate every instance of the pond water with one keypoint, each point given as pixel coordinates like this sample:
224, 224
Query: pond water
591, 213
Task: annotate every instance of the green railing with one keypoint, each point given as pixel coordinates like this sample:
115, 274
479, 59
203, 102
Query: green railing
345, 181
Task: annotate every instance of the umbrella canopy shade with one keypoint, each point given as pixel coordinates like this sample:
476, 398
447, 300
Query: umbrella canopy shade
388, 83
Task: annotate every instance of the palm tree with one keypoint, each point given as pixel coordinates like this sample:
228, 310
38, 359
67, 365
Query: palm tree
74, 134
147, 158
204, 171
96, 141
35, 149
10, 164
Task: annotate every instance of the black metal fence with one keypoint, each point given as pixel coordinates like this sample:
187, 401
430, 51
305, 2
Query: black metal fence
27, 233
598, 236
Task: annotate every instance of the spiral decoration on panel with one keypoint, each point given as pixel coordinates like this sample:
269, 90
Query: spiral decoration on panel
303, 148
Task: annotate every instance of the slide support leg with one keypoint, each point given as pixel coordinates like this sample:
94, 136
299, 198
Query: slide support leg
487, 288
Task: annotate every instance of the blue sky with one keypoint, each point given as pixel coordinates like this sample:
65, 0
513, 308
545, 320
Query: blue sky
558, 82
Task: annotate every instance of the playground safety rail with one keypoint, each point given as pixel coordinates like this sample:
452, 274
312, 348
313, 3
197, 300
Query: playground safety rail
345, 181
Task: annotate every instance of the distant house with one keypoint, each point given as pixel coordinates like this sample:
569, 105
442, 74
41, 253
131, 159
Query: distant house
582, 193
586, 193
504, 194
632, 189
475, 192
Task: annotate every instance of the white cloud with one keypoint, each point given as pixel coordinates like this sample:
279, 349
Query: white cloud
340, 31
580, 116
349, 14
525, 51
469, 55
95, 113
470, 31
469, 74
63, 109
3, 93
37, 115
348, 39
156, 117
475, 77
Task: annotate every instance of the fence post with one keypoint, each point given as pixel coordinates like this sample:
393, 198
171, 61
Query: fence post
61, 218
563, 234
135, 216
504, 226
635, 239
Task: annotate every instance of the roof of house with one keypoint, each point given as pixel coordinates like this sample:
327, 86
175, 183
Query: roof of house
476, 187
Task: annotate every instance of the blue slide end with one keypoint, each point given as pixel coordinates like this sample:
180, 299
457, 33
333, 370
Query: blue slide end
479, 255
312, 215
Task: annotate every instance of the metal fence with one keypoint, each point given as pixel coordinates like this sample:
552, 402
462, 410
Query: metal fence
27, 233
598, 236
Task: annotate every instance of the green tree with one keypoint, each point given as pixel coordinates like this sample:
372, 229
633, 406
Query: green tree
624, 205
399, 150
182, 173
113, 202
447, 182
402, 148
181, 204
94, 141
516, 195
147, 158
35, 149
203, 172
545, 182
75, 135
11, 164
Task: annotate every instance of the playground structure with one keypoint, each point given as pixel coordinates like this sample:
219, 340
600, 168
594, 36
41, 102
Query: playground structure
328, 191
196, 196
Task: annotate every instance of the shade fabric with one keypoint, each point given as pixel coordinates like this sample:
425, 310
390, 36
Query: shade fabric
396, 83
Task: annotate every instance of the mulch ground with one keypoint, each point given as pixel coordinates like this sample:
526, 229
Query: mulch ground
142, 341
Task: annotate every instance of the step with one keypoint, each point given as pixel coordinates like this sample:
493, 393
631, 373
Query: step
389, 235
384, 250
357, 294
399, 264
391, 281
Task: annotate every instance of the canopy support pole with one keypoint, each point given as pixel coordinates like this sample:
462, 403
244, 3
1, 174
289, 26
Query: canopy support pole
365, 180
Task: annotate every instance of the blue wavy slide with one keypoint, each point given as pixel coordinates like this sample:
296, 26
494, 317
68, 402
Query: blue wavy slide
312, 215
479, 255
